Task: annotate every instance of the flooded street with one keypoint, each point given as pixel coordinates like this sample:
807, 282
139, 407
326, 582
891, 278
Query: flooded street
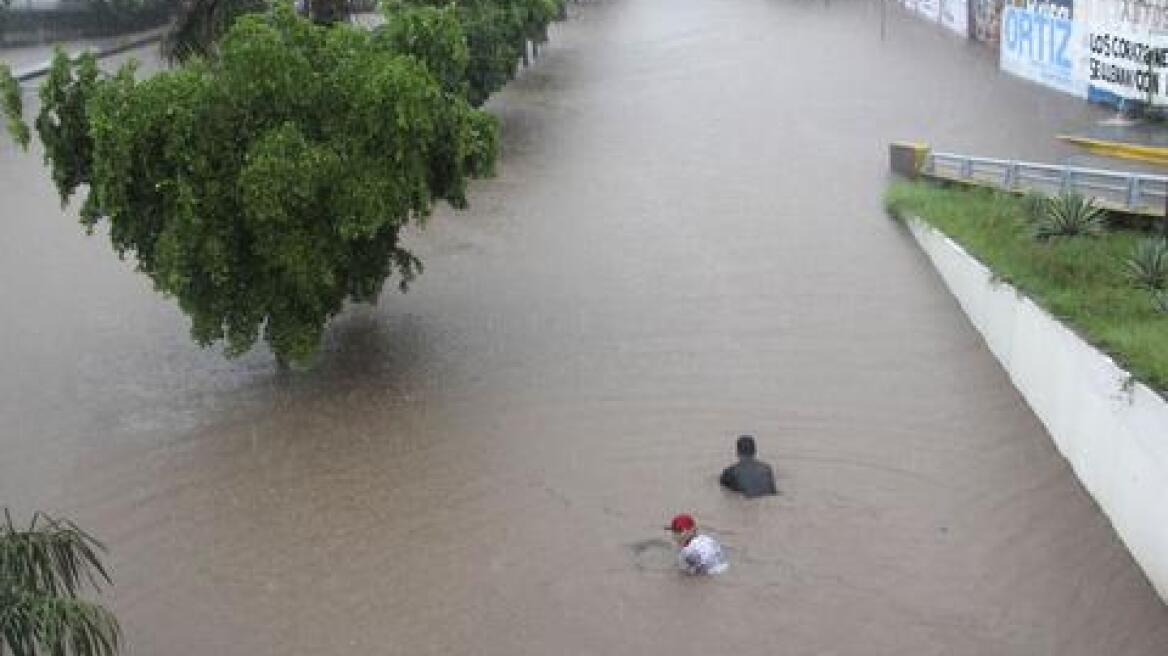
685, 242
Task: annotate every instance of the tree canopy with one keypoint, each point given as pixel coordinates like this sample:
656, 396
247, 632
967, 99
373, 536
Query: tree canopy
497, 33
265, 181
266, 185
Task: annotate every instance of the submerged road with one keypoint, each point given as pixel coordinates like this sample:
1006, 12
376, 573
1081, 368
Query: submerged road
685, 242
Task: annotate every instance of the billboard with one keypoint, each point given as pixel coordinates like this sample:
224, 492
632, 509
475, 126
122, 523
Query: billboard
1043, 42
1127, 43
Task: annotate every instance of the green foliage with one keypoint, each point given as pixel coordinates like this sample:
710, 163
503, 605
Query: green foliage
497, 32
1147, 266
264, 186
200, 24
1070, 215
42, 570
13, 107
434, 36
1081, 281
63, 122
1160, 301
1035, 203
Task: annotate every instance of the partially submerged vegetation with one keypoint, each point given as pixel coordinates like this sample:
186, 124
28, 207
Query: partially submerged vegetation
1102, 286
265, 181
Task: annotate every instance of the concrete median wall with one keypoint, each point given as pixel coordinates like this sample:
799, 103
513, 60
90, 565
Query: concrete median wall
1112, 430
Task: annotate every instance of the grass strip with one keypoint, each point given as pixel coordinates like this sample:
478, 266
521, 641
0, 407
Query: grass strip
1080, 280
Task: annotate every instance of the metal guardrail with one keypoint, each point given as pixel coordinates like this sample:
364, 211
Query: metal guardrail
1137, 193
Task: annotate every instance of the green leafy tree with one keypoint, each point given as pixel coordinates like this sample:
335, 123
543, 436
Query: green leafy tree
200, 24
12, 104
266, 185
43, 569
496, 32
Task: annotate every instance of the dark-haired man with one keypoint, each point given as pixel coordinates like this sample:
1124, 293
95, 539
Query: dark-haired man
751, 477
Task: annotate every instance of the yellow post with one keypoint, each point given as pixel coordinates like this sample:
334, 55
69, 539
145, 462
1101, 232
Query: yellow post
908, 159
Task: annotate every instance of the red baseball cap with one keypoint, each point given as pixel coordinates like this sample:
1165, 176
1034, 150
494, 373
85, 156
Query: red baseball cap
681, 523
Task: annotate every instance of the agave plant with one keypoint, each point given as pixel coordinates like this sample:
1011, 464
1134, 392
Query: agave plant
1147, 266
42, 570
1160, 300
1070, 214
1034, 205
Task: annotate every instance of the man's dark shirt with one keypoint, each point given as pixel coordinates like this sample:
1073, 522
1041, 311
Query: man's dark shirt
750, 477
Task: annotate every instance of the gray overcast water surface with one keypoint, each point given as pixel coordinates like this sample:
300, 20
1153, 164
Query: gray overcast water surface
685, 242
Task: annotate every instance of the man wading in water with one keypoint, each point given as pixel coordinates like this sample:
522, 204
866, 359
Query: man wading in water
699, 554
753, 478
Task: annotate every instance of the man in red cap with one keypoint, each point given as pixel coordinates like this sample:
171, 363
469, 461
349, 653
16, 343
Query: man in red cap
700, 554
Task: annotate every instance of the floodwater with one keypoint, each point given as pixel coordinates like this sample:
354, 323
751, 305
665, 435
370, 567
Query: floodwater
685, 242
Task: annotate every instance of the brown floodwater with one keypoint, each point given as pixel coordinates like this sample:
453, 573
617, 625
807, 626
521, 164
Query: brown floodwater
685, 242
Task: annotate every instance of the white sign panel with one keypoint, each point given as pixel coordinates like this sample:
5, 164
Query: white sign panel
1127, 44
1043, 44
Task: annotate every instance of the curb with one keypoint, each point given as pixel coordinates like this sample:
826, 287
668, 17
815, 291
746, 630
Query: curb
1120, 149
32, 72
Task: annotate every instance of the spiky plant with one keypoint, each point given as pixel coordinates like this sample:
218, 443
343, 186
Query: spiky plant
1160, 300
1147, 266
1034, 205
1070, 214
42, 570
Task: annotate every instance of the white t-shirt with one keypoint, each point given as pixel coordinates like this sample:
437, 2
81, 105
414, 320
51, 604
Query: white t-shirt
703, 555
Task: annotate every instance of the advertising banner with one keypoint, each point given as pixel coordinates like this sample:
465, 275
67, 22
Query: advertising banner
1128, 51
1043, 43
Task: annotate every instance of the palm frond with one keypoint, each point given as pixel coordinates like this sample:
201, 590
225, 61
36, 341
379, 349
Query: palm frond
51, 557
34, 624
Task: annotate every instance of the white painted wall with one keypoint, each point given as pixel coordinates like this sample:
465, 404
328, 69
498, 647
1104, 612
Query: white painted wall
1113, 432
